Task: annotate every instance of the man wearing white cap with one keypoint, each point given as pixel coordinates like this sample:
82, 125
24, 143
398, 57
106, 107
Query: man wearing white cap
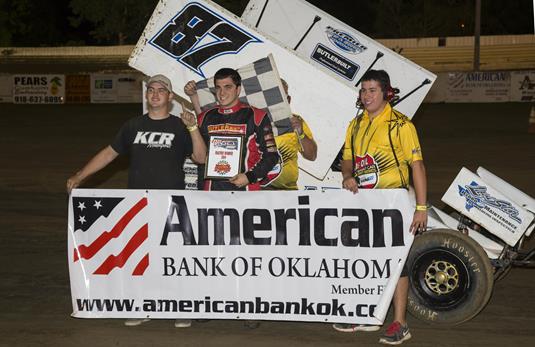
157, 144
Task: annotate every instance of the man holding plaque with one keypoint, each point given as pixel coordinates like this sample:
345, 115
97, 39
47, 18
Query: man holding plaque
239, 137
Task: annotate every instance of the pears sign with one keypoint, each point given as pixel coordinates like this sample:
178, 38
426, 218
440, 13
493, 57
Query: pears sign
38, 89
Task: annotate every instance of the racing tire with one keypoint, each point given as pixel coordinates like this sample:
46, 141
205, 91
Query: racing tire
450, 275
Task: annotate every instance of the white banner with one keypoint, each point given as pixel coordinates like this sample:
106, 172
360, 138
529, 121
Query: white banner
128, 88
115, 88
103, 88
338, 49
304, 256
523, 86
38, 89
491, 86
191, 40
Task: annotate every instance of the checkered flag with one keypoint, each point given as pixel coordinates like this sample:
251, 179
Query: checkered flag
261, 88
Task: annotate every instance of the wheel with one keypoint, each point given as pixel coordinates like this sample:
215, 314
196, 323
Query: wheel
451, 278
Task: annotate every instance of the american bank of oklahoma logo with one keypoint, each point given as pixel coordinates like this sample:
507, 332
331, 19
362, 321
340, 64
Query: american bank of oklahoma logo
197, 35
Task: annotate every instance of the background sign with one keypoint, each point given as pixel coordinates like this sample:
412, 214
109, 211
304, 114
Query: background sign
38, 89
523, 86
490, 86
78, 89
115, 88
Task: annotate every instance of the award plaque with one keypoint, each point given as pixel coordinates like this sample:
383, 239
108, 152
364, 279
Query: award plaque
224, 157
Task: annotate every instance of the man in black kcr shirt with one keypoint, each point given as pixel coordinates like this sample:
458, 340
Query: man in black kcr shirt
233, 118
157, 143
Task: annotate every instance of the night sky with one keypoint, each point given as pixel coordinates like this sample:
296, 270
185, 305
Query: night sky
56, 24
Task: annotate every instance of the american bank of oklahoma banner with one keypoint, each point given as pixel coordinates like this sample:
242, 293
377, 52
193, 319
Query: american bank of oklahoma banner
316, 256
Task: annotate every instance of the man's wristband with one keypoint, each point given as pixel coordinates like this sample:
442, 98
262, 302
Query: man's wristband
302, 136
421, 207
192, 128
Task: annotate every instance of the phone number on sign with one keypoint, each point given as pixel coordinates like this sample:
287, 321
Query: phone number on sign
38, 99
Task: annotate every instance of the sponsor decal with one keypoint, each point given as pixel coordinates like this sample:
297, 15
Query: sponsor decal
197, 35
227, 128
154, 139
335, 62
478, 197
344, 41
366, 171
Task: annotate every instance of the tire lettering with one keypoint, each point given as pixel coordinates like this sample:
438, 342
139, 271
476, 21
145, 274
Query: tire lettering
463, 252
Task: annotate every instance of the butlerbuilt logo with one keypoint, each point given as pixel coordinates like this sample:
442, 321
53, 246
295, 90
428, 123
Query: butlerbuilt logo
344, 41
477, 196
197, 35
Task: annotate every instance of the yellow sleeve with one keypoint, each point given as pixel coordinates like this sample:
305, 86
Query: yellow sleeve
347, 145
410, 145
306, 129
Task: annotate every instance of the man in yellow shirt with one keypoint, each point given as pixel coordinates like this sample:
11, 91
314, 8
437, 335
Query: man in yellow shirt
298, 141
381, 145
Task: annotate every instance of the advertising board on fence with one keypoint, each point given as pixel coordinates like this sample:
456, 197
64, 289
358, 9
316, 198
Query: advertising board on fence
115, 88
38, 89
304, 256
523, 86
479, 86
78, 90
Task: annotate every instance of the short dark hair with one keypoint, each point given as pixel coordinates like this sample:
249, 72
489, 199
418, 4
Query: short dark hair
228, 72
380, 76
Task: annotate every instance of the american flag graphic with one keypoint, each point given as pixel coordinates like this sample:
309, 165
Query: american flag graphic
107, 233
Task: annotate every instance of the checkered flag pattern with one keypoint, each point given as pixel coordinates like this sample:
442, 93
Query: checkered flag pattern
261, 88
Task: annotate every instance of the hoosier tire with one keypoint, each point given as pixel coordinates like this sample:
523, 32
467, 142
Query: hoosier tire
451, 278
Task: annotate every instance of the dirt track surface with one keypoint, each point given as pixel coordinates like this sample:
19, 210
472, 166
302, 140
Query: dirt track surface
41, 146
